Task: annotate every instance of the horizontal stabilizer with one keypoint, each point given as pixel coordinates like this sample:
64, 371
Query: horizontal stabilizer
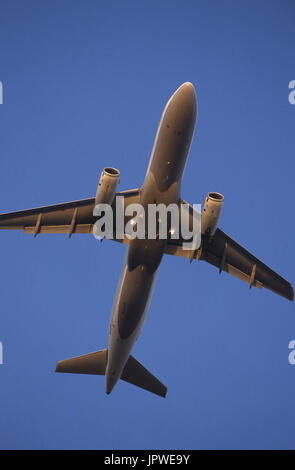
95, 363
92, 363
138, 375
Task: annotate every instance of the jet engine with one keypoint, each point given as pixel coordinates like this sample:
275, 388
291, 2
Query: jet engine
107, 186
211, 213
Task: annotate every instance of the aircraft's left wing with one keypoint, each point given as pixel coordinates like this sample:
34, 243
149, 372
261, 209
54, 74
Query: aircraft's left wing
227, 255
70, 217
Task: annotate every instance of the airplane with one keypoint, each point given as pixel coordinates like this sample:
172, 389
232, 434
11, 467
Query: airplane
162, 184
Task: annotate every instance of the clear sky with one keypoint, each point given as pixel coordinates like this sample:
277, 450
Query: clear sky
84, 86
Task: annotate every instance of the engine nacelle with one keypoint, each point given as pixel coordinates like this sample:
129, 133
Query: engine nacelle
211, 213
107, 186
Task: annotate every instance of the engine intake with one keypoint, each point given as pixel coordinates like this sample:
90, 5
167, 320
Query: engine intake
107, 186
211, 213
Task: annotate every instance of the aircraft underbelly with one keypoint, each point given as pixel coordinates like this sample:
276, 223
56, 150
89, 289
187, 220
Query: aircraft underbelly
129, 313
161, 185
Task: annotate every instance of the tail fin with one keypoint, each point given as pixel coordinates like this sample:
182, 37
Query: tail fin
95, 363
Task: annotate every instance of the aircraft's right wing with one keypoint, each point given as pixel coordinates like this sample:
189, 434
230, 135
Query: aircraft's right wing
70, 217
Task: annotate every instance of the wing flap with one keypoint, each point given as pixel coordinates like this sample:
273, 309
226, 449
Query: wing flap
80, 228
242, 276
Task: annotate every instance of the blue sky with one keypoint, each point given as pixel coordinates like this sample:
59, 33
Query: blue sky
84, 85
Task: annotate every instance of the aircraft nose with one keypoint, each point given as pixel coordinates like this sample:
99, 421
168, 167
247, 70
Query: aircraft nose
187, 89
187, 86
185, 99
186, 95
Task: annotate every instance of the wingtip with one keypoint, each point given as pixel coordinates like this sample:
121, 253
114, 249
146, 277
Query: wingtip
291, 293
